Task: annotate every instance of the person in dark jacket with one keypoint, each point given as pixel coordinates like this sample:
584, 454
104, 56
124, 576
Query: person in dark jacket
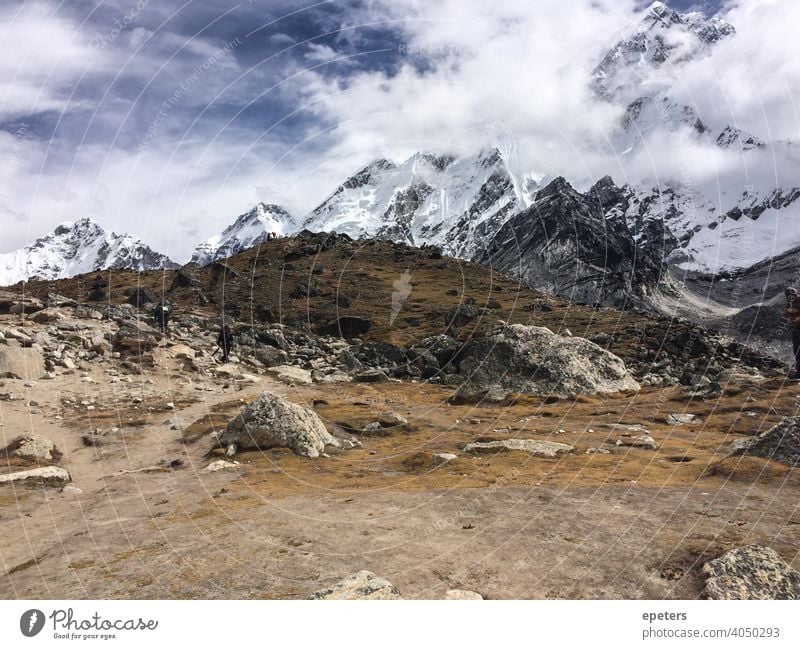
791, 312
161, 315
225, 342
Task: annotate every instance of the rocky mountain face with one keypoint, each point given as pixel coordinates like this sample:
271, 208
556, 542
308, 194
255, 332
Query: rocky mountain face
565, 244
75, 248
249, 229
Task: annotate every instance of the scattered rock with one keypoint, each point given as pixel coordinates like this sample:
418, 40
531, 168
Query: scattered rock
370, 376
361, 585
781, 443
48, 316
443, 458
751, 572
472, 394
272, 421
535, 447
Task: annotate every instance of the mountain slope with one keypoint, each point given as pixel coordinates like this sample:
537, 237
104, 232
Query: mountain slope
79, 247
249, 229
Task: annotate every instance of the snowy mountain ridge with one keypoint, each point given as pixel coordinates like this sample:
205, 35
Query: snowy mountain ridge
78, 247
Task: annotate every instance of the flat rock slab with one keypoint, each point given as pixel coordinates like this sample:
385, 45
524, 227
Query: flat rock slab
290, 374
361, 585
535, 447
638, 441
48, 475
751, 572
679, 419
22, 363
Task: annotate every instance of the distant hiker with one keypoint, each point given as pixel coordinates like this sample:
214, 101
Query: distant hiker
161, 316
274, 235
792, 313
225, 342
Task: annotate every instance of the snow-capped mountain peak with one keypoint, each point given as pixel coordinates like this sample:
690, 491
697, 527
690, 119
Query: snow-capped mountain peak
77, 247
249, 229
437, 198
661, 36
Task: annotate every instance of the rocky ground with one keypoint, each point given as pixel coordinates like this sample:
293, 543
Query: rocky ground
442, 450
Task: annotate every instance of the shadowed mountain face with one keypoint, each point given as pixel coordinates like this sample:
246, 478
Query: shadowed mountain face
564, 244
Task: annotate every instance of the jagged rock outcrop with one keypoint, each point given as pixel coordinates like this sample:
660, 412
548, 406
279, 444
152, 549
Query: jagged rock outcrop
272, 421
563, 244
781, 443
534, 360
751, 572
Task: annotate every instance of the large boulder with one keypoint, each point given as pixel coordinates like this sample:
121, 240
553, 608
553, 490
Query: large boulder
781, 443
138, 296
751, 572
135, 337
33, 447
534, 360
442, 346
271, 421
361, 585
21, 363
461, 315
347, 326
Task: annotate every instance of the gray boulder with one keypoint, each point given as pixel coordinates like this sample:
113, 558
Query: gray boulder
751, 572
272, 421
361, 585
534, 360
21, 363
33, 447
780, 443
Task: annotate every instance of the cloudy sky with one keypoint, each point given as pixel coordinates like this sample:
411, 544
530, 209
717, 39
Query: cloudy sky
168, 118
